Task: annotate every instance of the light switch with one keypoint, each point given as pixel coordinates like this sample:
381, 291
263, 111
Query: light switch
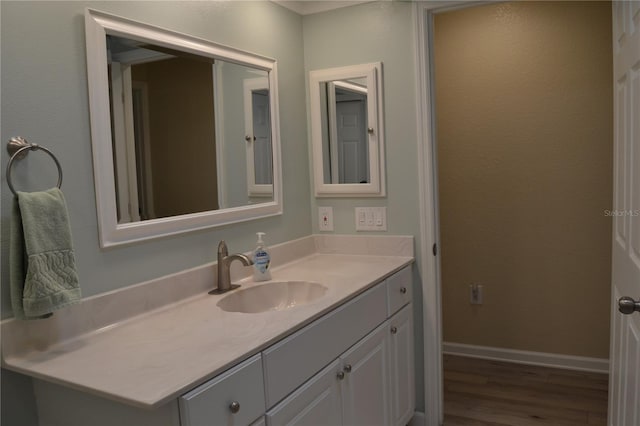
371, 218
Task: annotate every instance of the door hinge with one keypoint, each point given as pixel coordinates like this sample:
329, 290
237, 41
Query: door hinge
435, 249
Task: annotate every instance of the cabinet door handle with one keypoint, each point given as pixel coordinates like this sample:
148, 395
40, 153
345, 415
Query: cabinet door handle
403, 290
347, 368
234, 407
340, 375
394, 329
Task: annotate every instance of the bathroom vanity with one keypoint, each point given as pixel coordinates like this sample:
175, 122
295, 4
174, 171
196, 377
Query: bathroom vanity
343, 357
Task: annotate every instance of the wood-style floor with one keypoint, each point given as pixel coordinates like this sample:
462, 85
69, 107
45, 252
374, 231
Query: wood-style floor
480, 392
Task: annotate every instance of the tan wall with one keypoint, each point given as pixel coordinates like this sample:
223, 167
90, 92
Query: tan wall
524, 105
183, 154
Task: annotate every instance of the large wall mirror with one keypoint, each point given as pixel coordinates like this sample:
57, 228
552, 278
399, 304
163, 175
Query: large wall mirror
347, 131
185, 131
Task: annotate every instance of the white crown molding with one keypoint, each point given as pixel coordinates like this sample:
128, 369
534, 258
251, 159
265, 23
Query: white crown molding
309, 7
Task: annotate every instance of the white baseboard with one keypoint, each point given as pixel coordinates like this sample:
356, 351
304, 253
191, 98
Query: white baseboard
597, 365
418, 419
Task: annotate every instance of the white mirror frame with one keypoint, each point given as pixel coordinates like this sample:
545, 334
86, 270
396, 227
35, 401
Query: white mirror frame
97, 26
373, 74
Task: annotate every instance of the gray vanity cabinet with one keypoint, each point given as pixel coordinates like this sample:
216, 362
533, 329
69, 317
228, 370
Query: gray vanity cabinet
293, 360
370, 384
352, 390
351, 366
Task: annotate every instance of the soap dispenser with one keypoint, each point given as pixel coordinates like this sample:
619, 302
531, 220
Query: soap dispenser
261, 260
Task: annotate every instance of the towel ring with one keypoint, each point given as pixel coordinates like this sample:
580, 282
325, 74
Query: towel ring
18, 147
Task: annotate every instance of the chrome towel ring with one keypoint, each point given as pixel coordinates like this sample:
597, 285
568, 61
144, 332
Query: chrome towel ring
18, 147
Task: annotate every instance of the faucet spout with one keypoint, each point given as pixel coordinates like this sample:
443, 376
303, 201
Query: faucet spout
224, 268
241, 257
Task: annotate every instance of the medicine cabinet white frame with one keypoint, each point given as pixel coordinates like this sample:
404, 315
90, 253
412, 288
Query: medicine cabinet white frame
372, 73
97, 25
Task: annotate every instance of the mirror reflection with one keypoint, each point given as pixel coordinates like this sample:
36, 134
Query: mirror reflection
344, 131
189, 133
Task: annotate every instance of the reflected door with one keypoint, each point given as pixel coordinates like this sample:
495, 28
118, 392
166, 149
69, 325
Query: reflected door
352, 141
261, 138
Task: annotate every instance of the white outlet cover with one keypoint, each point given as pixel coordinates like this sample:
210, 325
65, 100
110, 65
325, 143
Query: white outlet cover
325, 218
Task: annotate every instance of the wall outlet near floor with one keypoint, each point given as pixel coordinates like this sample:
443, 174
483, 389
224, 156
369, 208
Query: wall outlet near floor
371, 218
325, 217
475, 294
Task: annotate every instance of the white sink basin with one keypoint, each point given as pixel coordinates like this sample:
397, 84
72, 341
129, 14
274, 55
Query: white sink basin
272, 296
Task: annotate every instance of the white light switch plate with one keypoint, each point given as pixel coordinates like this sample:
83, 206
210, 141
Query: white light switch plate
325, 218
371, 218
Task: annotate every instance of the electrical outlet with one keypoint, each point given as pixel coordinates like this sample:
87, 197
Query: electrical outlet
325, 217
475, 294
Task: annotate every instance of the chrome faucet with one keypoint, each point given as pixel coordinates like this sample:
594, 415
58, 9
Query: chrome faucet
224, 264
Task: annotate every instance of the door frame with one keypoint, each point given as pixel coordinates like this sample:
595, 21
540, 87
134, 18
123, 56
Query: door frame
429, 262
428, 202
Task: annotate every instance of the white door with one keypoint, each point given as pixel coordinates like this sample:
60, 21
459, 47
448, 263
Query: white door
366, 391
624, 379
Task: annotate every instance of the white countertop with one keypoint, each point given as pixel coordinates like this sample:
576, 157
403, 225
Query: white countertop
151, 359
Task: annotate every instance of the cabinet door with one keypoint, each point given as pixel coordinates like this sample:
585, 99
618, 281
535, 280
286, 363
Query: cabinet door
233, 398
295, 359
317, 402
402, 366
260, 422
366, 391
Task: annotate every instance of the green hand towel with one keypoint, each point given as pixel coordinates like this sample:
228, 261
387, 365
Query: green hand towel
42, 267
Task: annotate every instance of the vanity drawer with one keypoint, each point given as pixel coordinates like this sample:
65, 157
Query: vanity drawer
292, 361
211, 402
399, 290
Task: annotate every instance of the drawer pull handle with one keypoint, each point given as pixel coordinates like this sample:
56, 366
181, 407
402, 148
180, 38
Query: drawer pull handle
340, 375
394, 329
403, 290
347, 368
234, 407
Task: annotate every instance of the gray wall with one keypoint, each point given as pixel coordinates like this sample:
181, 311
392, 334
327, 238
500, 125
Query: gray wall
44, 98
372, 32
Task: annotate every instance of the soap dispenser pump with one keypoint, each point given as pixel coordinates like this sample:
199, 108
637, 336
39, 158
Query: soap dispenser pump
261, 260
